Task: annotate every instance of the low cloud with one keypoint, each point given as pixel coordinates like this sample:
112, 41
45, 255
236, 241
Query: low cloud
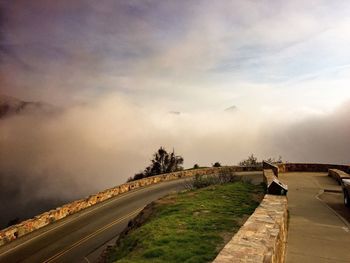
90, 147
320, 138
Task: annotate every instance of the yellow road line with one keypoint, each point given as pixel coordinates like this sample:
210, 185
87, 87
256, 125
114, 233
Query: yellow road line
58, 255
82, 213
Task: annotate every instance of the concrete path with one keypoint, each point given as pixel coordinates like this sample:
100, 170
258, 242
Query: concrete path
316, 233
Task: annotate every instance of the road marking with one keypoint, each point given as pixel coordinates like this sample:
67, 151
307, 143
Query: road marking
69, 220
58, 255
344, 221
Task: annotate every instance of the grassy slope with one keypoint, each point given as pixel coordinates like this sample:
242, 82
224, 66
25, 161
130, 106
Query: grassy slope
190, 226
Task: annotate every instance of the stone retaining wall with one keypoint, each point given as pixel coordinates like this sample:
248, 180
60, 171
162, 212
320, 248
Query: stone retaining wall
338, 175
11, 233
269, 166
311, 167
262, 239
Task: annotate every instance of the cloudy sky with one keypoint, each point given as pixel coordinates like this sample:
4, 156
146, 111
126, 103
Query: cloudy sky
120, 69
184, 55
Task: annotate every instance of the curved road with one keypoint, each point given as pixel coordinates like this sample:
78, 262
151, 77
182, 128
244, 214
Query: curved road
82, 237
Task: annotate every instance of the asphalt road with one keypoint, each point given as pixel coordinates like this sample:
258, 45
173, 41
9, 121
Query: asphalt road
316, 233
81, 237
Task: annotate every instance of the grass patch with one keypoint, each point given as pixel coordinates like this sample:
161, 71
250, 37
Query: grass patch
190, 226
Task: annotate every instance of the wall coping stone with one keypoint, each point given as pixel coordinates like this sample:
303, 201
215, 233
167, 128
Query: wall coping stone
263, 236
338, 175
13, 232
262, 239
311, 167
270, 166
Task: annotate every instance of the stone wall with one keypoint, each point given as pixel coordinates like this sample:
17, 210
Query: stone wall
11, 233
311, 167
261, 239
338, 175
269, 166
263, 236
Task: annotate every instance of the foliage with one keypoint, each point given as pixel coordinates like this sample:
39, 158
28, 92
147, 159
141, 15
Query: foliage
253, 161
250, 161
217, 164
189, 226
273, 160
196, 166
162, 162
200, 181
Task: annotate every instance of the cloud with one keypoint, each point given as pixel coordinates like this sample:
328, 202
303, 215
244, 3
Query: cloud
170, 51
321, 138
49, 160
120, 67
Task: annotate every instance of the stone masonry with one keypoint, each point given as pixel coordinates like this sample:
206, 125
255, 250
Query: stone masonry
263, 236
11, 233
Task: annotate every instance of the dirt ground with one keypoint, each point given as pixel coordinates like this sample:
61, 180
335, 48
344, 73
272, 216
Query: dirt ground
335, 201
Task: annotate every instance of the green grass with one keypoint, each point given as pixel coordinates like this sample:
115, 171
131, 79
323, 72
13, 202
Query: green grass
191, 226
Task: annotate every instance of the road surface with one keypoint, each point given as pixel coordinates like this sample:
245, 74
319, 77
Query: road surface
82, 237
74, 238
316, 233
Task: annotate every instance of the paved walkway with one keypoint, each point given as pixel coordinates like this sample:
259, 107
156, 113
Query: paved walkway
315, 233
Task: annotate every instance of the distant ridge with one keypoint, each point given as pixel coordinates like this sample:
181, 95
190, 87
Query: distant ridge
10, 106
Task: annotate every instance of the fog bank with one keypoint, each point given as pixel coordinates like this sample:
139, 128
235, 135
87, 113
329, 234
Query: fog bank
46, 160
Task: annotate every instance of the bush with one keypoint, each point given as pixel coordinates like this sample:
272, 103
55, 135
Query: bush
196, 166
162, 162
253, 161
273, 160
250, 161
201, 181
217, 164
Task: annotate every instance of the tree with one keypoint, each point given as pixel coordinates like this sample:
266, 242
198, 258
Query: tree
196, 166
217, 164
250, 161
253, 161
162, 162
273, 160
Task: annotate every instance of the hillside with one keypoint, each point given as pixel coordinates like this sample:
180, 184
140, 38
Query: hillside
191, 226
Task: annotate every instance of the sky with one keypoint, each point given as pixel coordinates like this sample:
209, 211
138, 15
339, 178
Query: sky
183, 55
120, 70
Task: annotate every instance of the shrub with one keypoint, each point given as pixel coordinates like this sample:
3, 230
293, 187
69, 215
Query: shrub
253, 161
250, 161
217, 164
162, 162
201, 181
